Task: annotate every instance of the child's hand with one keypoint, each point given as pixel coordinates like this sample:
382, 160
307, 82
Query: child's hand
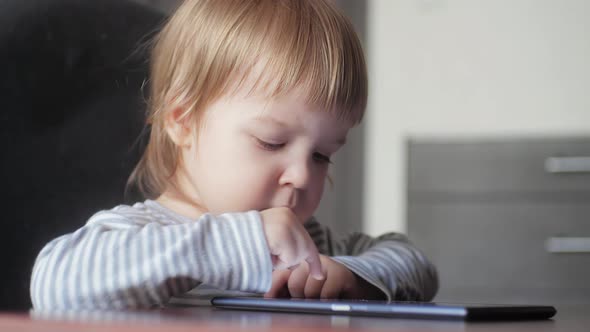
289, 243
340, 282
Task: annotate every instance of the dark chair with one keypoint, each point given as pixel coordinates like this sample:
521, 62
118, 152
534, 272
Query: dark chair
71, 111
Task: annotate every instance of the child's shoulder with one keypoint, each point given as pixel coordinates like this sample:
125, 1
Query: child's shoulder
138, 214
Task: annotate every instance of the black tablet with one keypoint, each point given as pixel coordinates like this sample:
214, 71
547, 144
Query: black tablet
416, 310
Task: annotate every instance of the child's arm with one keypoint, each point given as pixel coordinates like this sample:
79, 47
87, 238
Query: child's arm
116, 261
389, 262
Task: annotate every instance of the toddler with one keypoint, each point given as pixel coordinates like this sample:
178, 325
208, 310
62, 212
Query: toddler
248, 102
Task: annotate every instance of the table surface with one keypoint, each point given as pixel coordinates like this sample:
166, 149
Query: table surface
568, 318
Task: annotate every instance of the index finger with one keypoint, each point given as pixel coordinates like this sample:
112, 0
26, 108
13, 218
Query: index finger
315, 265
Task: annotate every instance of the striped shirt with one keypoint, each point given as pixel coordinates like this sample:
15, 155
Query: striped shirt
142, 255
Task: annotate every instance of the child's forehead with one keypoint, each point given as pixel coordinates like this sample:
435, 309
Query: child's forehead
269, 104
277, 90
300, 120
293, 111
271, 94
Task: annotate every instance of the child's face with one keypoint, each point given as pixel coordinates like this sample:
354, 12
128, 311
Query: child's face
255, 154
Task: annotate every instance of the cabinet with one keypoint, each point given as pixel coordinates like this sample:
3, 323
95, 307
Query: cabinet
503, 220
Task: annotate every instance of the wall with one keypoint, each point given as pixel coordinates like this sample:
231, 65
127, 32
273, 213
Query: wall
464, 68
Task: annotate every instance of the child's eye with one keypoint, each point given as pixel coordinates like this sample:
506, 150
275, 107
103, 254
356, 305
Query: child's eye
321, 158
269, 146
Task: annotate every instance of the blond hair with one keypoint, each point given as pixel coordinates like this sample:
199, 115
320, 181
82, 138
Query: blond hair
209, 46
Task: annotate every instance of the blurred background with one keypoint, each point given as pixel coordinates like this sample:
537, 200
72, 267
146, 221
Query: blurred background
476, 141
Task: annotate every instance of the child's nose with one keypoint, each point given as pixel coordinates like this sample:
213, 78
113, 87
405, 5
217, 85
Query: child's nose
297, 174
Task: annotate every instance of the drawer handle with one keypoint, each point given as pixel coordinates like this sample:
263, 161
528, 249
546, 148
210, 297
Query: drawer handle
567, 245
567, 165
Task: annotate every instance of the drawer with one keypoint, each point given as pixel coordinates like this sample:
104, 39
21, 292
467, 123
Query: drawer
502, 249
537, 166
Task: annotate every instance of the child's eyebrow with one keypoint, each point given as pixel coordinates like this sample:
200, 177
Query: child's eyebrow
277, 122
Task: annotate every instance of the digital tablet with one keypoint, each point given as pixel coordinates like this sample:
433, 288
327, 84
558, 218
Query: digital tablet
415, 310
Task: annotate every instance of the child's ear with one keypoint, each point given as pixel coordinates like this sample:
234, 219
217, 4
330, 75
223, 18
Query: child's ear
179, 127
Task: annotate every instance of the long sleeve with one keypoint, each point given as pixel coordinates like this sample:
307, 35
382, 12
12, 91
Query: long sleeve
389, 262
121, 261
